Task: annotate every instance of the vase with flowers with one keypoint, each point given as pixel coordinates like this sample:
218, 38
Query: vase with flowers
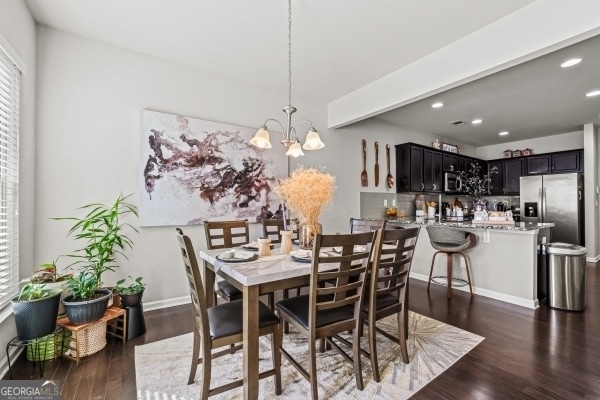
306, 192
477, 184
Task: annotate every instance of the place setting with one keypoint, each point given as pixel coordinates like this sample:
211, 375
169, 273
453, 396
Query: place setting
237, 256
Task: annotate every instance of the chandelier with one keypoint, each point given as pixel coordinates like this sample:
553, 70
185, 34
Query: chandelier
290, 139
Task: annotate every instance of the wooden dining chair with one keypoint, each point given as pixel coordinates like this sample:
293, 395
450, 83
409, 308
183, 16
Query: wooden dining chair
222, 325
272, 227
224, 235
387, 290
334, 308
365, 225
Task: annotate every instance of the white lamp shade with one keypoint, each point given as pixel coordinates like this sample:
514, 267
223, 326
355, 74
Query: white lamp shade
294, 150
261, 139
313, 141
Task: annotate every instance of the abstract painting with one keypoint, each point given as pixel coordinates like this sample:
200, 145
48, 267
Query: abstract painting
193, 170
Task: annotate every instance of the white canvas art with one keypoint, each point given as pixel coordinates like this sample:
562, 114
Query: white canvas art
192, 170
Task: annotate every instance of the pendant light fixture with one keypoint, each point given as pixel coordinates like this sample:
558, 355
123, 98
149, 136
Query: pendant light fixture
290, 138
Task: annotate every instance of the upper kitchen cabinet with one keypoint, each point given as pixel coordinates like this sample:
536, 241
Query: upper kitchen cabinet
418, 169
554, 163
507, 180
450, 162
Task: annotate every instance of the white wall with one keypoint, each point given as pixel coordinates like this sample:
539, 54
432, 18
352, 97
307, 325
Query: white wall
89, 101
17, 34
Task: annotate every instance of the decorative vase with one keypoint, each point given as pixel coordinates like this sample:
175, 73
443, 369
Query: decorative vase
307, 234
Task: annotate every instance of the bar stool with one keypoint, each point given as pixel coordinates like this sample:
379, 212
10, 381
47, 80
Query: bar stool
451, 241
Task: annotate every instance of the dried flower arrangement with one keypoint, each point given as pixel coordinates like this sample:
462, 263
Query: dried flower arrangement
306, 191
475, 184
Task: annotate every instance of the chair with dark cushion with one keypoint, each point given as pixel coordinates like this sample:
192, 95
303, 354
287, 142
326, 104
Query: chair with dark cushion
223, 235
222, 325
329, 310
450, 241
387, 293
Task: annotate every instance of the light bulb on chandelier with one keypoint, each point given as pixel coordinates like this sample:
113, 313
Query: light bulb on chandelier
313, 140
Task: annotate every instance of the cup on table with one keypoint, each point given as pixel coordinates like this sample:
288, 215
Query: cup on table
264, 247
286, 242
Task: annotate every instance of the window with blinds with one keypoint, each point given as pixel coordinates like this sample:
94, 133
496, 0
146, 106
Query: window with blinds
10, 82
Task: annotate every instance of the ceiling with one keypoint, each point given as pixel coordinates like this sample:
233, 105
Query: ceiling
342, 45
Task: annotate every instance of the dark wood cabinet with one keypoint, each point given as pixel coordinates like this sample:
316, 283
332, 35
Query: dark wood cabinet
450, 162
554, 163
418, 169
508, 179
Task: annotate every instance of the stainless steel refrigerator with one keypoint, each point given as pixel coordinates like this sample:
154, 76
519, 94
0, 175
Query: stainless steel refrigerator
558, 199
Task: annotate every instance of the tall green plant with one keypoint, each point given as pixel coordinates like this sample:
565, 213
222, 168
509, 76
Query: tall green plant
104, 236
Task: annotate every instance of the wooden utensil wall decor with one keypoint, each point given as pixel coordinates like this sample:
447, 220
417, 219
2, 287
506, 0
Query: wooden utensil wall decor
389, 178
376, 164
364, 179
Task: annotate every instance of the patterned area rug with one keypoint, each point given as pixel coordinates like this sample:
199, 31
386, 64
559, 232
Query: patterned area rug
162, 368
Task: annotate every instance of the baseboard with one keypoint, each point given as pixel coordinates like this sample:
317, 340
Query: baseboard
157, 305
519, 301
593, 259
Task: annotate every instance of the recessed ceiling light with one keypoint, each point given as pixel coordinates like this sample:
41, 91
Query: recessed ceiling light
504, 133
571, 62
593, 93
477, 121
437, 105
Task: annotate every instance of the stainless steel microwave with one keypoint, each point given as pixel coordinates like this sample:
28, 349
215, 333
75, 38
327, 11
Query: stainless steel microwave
452, 182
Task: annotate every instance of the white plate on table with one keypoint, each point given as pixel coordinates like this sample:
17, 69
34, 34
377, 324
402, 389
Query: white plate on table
238, 256
305, 255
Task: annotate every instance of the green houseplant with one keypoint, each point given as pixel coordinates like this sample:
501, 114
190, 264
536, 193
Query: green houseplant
104, 235
131, 295
35, 310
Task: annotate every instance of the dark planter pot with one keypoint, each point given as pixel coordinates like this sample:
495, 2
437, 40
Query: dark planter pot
36, 318
86, 311
131, 300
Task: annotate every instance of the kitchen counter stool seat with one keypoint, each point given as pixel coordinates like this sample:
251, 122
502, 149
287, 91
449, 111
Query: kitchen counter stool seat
450, 241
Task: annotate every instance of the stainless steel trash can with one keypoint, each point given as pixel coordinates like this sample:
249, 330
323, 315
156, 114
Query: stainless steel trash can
566, 264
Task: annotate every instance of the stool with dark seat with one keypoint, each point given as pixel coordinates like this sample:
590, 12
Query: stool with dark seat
451, 241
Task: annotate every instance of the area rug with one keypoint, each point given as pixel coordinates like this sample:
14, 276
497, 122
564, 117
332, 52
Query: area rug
162, 368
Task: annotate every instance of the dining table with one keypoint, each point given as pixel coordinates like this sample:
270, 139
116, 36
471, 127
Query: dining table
254, 278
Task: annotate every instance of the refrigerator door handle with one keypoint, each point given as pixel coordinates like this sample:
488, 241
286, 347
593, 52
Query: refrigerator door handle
540, 205
544, 211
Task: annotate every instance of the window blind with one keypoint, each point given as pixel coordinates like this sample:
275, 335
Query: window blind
10, 83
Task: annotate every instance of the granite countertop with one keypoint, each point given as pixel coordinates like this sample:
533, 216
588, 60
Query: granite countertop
518, 226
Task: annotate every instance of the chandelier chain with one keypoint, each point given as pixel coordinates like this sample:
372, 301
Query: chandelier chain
290, 52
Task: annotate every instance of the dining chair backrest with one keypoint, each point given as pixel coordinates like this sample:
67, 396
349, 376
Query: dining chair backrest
365, 225
392, 260
272, 227
192, 271
226, 234
345, 283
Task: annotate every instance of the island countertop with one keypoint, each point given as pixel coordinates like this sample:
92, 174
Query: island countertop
516, 227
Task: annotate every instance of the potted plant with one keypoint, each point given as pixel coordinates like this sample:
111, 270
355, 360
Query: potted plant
49, 276
87, 301
130, 295
104, 235
35, 310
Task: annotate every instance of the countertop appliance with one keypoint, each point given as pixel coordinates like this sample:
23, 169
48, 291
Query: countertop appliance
452, 182
558, 199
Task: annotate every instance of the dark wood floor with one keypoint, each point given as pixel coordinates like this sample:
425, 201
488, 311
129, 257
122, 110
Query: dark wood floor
526, 354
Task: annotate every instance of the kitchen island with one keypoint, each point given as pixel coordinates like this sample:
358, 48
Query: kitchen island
504, 263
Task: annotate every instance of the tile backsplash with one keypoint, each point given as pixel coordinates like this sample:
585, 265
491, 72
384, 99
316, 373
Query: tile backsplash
372, 204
